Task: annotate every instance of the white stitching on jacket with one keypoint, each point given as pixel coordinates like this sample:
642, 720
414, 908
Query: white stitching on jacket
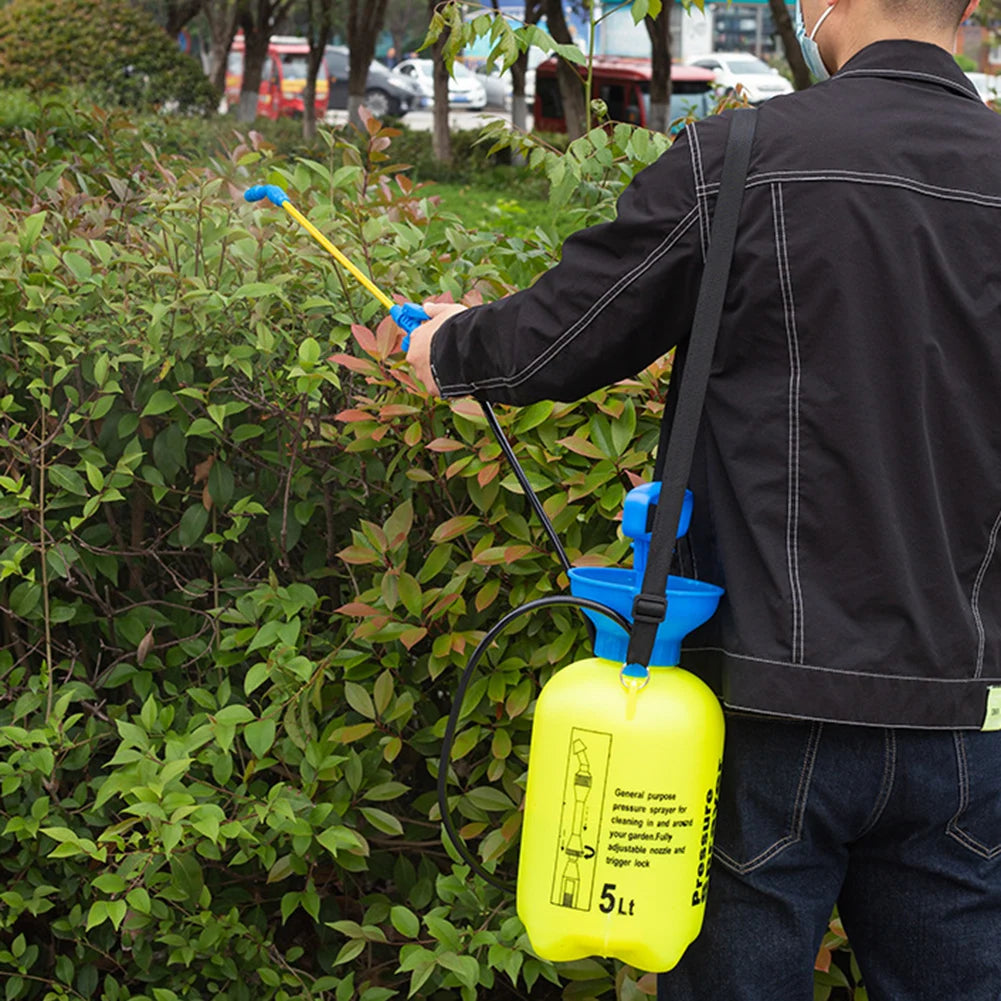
795, 376
859, 177
975, 596
699, 178
567, 338
969, 680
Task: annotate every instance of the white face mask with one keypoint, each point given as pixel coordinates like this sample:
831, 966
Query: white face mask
808, 45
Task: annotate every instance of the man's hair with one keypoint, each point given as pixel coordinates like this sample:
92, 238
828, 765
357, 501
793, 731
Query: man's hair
939, 13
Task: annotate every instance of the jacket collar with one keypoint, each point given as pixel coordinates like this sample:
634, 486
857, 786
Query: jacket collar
901, 58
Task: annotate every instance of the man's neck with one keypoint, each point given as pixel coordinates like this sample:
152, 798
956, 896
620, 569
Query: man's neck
853, 38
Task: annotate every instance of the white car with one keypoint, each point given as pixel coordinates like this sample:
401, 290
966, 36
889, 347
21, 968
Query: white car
464, 90
758, 80
988, 86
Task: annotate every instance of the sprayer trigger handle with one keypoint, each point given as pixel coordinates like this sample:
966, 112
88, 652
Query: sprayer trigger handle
272, 192
408, 316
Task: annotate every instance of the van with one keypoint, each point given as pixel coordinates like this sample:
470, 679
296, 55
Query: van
624, 85
283, 78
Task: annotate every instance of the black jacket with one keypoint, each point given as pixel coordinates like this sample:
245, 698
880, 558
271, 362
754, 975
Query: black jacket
848, 473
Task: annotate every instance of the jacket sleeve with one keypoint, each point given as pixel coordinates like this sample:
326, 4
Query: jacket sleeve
622, 295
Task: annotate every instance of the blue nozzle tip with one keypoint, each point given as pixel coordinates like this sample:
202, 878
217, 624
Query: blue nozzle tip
272, 192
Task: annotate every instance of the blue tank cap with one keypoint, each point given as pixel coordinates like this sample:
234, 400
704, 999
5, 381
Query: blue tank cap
636, 519
689, 604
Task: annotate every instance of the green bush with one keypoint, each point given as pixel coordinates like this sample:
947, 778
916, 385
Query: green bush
243, 559
110, 47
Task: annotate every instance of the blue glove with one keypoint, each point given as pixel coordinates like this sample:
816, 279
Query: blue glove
408, 316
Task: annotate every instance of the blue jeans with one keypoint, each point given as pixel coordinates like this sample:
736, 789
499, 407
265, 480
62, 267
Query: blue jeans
901, 828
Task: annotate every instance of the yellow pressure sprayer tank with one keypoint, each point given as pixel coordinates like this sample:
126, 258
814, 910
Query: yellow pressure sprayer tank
623, 778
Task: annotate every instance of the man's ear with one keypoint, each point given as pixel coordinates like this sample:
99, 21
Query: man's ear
970, 8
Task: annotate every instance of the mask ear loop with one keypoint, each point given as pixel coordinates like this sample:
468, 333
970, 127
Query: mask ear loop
823, 17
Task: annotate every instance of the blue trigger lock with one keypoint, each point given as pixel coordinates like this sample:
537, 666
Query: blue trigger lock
408, 316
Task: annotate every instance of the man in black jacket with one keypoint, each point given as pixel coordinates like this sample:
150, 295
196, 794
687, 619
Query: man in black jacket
847, 495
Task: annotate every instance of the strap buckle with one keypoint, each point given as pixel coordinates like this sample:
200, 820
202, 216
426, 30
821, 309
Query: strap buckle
649, 608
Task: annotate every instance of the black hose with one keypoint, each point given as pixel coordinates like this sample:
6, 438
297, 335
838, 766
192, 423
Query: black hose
523, 480
448, 740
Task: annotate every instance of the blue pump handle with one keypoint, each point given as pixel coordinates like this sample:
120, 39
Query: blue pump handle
408, 316
272, 192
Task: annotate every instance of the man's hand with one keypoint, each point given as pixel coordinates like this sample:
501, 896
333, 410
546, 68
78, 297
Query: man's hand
419, 354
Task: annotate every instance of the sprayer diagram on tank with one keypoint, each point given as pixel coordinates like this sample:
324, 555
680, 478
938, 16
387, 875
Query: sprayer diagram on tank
580, 818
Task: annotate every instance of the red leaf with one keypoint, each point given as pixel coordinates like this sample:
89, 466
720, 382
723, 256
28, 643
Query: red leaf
823, 960
361, 365
358, 555
487, 473
411, 637
357, 608
365, 339
444, 445
398, 410
454, 527
581, 446
353, 415
467, 408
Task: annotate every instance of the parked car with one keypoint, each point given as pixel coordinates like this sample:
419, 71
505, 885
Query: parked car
759, 80
283, 78
464, 90
499, 86
386, 92
988, 86
624, 85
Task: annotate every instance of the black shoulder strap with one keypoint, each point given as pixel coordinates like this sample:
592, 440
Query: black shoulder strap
650, 605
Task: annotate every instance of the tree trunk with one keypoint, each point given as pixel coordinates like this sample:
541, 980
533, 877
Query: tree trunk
221, 17
519, 70
571, 86
659, 30
320, 13
793, 53
256, 19
441, 138
365, 19
255, 51
179, 13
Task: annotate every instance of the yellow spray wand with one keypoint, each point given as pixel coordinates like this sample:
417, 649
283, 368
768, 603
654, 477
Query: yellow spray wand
406, 315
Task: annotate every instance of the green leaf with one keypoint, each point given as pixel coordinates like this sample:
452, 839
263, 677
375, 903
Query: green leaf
67, 479
256, 677
405, 921
309, 352
109, 882
338, 838
350, 950
24, 598
31, 228
234, 714
464, 967
260, 735
381, 820
192, 525
97, 914
386, 791
359, 699
221, 484
159, 403
489, 798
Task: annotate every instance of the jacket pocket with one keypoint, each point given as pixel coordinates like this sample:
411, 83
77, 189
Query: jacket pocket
977, 823
767, 769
